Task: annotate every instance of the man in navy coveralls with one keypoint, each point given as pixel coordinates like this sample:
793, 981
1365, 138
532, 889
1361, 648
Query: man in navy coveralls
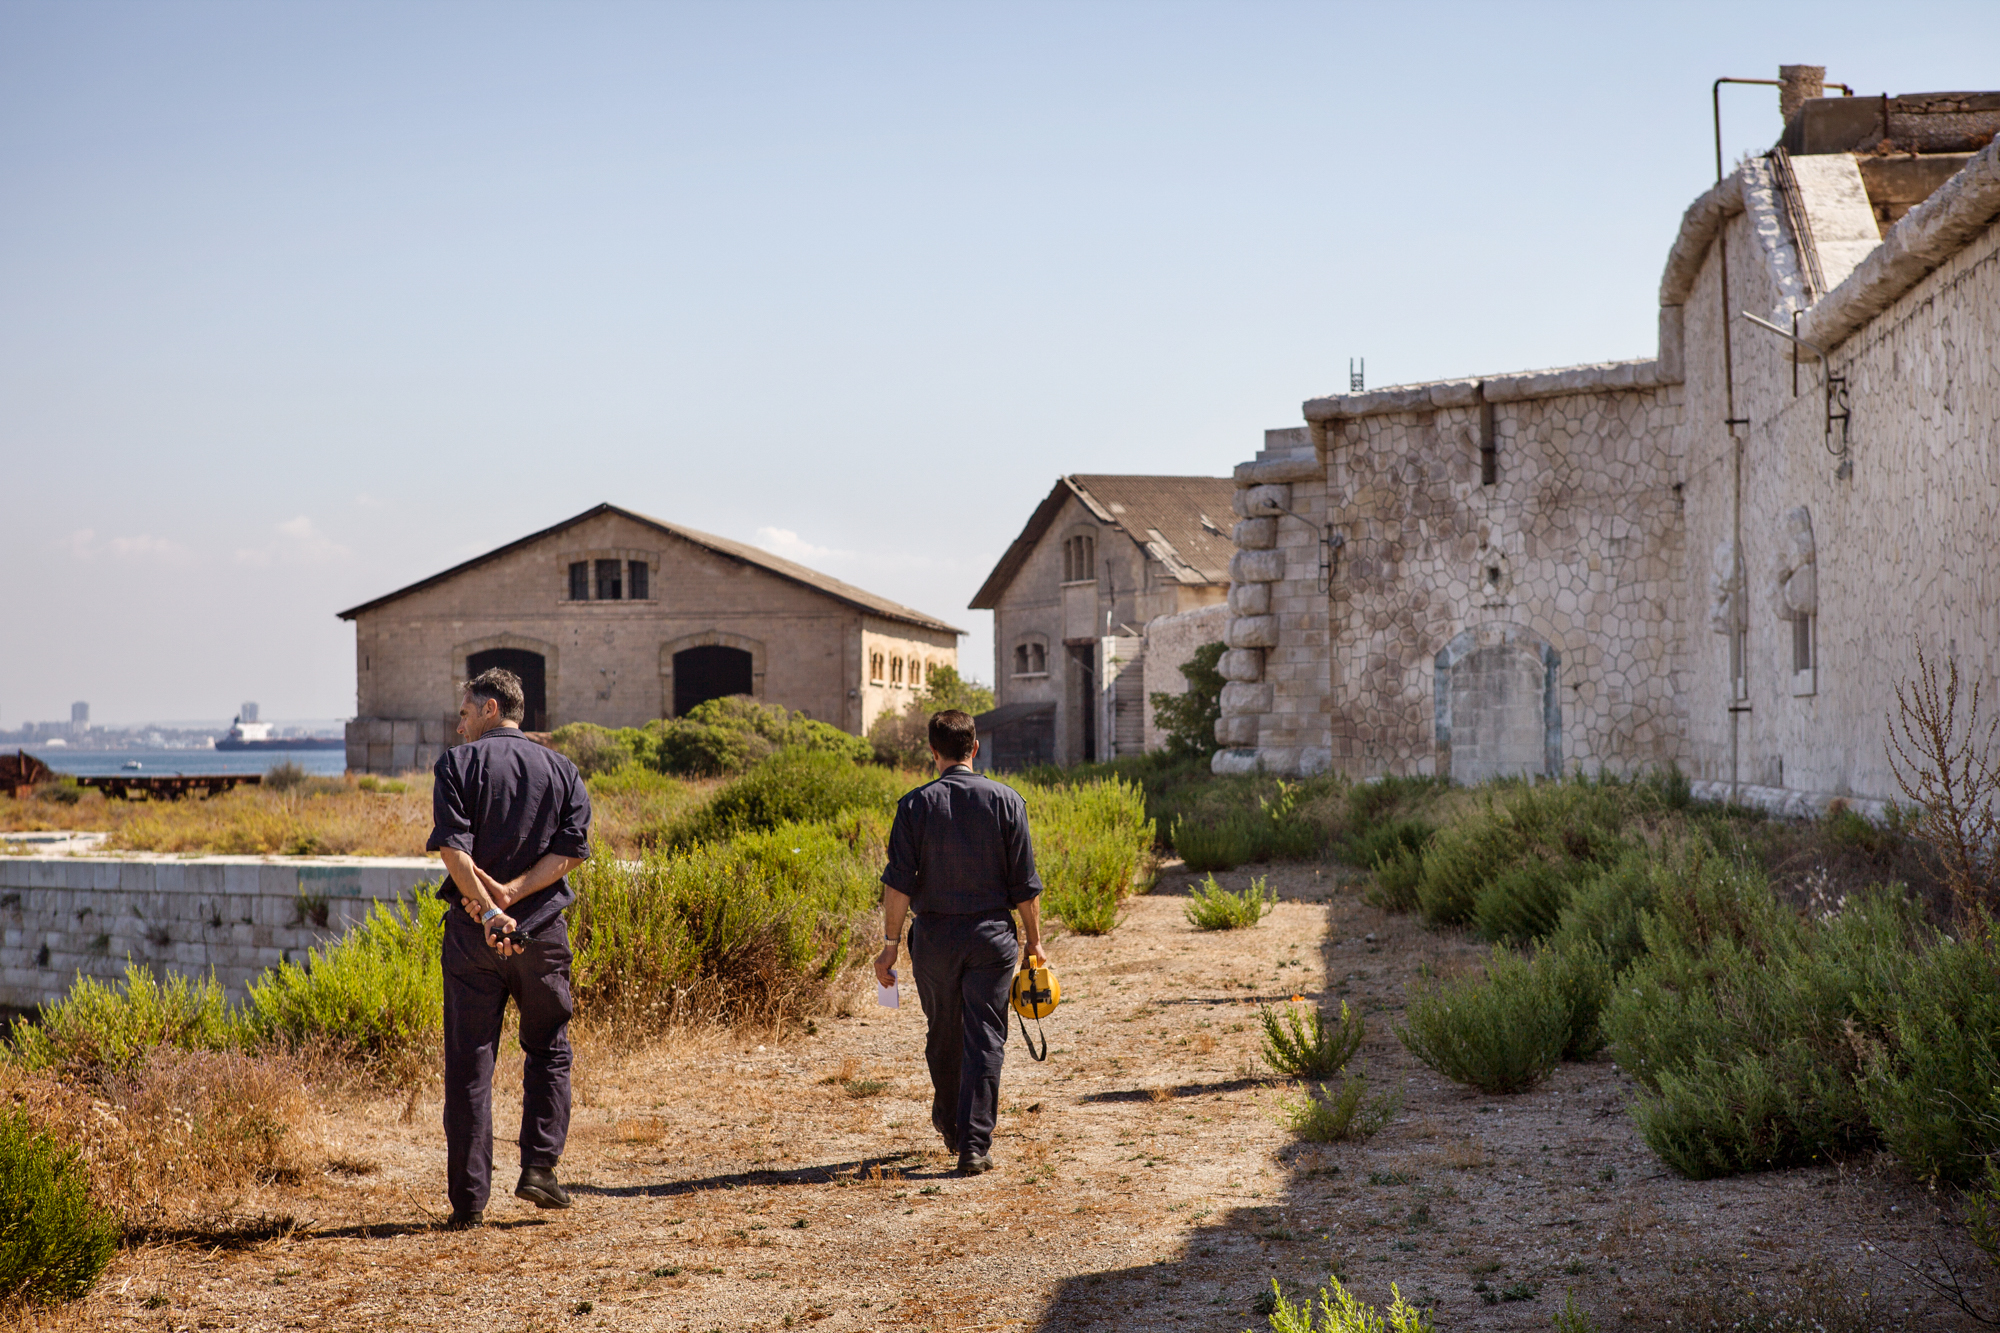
959, 855
512, 818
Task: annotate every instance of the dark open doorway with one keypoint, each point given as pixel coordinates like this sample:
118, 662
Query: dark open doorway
709, 672
1085, 657
534, 680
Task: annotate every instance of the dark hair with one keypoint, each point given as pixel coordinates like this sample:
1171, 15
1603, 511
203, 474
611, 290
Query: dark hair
503, 687
954, 734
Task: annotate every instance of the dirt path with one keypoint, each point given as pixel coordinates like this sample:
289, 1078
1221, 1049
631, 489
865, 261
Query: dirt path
1142, 1181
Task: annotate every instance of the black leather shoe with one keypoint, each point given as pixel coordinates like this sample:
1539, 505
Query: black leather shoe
538, 1186
968, 1165
463, 1221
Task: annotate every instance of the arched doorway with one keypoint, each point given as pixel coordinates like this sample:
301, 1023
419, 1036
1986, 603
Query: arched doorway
710, 671
532, 670
1499, 712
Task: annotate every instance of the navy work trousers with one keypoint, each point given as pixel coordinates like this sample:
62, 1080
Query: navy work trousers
477, 985
964, 969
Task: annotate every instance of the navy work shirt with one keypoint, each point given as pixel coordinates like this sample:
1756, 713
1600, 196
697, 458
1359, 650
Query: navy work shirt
506, 801
960, 847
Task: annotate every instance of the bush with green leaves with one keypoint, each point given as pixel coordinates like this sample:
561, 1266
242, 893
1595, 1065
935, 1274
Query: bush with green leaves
1339, 1311
1322, 1115
1511, 869
1092, 843
375, 995
54, 1242
1501, 1032
902, 739
1299, 1042
1188, 719
1275, 831
789, 787
1741, 1019
724, 736
1931, 1083
100, 1028
594, 749
1212, 907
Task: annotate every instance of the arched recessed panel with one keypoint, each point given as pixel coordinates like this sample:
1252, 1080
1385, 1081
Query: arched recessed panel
1499, 712
710, 671
531, 667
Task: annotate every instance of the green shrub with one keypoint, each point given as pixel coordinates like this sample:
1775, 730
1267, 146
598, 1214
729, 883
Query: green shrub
759, 929
61, 791
98, 1028
1501, 1032
1092, 840
1520, 825
594, 749
1340, 1312
1376, 843
286, 776
381, 786
1607, 907
374, 996
1394, 888
1300, 1043
1212, 907
1221, 845
723, 736
1739, 1020
789, 787
902, 740
54, 1243
1578, 974
1325, 1116
1932, 1085
1189, 718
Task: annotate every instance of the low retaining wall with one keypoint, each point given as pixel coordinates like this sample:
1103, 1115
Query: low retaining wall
233, 915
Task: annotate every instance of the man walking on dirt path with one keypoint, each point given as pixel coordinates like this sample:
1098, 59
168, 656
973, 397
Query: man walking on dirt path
511, 818
959, 855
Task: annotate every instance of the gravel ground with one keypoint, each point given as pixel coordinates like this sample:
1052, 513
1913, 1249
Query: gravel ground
730, 1181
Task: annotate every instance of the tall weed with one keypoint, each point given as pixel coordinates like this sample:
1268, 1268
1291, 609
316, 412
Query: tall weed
1212, 907
1300, 1043
1340, 1312
1321, 1115
1092, 842
97, 1027
54, 1241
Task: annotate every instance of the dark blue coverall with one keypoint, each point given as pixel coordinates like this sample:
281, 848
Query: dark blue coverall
505, 801
960, 849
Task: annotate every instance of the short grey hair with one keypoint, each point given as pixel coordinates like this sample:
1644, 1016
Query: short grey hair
503, 687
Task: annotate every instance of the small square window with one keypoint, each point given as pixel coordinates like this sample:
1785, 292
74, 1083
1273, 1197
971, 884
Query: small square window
610, 580
579, 581
636, 579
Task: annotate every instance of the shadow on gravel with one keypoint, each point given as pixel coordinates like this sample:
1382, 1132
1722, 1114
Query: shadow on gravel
804, 1175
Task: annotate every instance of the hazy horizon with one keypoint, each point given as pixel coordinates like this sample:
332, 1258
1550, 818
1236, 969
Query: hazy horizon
300, 304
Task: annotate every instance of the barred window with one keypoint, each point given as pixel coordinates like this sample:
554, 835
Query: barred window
610, 580
579, 581
636, 579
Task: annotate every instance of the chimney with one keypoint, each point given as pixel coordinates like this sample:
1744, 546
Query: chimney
1797, 85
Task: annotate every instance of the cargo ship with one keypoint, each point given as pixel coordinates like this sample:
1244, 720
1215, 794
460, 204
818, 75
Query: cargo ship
251, 735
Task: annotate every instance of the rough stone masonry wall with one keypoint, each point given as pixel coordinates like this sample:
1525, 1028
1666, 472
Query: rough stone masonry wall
1905, 553
235, 916
1583, 526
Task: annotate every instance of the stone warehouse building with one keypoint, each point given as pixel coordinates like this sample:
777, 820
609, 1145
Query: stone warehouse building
1723, 556
616, 618
1100, 559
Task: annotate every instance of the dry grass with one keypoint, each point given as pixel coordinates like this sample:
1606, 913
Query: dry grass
177, 1144
320, 817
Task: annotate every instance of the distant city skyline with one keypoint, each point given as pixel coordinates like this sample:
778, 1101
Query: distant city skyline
301, 303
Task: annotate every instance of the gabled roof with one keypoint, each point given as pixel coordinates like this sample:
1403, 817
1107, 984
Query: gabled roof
749, 555
1182, 522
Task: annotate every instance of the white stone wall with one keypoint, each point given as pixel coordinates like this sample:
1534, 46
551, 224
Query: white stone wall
1905, 552
236, 916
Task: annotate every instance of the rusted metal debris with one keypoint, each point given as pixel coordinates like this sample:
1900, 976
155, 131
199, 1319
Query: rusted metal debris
123, 787
21, 771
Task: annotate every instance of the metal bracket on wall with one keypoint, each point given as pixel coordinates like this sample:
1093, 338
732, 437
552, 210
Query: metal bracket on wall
1330, 544
1837, 407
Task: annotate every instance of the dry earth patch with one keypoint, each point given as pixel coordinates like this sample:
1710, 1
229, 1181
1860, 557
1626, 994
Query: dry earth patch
734, 1181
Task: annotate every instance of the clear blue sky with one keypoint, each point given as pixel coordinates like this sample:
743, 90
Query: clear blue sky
301, 302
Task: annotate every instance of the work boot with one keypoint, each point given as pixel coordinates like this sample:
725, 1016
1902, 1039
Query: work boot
969, 1165
539, 1187
464, 1220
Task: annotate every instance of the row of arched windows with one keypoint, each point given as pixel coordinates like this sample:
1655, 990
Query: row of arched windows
884, 669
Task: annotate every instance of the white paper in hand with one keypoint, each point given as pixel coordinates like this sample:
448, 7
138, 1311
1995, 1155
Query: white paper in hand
889, 996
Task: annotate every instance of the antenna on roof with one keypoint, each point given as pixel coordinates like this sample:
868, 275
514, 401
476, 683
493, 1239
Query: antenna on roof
1357, 374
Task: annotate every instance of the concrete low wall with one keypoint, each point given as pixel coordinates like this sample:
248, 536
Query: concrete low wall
234, 915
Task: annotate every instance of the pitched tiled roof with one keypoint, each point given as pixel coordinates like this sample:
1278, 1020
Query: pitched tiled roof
749, 555
1183, 522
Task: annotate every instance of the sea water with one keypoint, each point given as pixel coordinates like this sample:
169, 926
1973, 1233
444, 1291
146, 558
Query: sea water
190, 763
